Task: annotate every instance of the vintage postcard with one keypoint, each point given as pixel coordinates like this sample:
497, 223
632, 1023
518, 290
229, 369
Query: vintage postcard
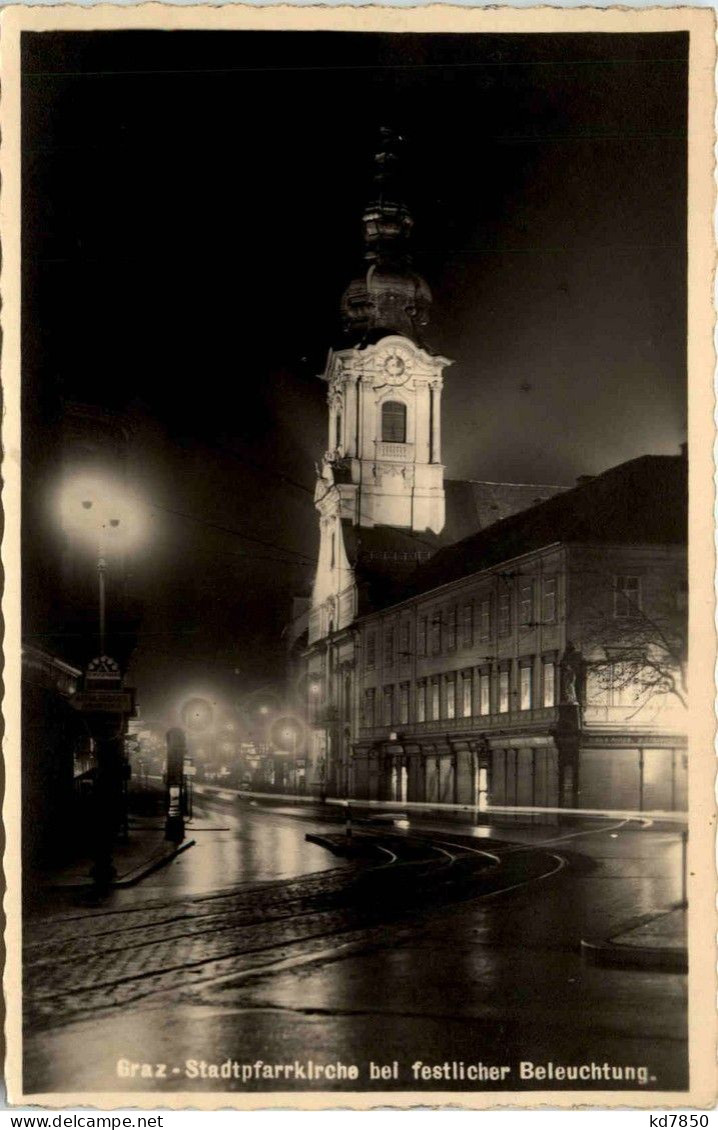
359, 617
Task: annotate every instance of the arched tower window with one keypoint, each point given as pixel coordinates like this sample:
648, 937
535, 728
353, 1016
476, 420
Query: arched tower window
393, 422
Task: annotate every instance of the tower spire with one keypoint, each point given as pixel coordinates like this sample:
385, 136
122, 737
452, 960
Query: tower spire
390, 297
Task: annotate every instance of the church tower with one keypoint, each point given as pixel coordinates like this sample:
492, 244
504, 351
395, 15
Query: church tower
384, 435
382, 466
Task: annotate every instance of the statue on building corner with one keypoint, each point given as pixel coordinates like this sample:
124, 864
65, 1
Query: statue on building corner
571, 675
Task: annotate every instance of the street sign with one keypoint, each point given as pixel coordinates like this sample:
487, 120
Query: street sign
104, 702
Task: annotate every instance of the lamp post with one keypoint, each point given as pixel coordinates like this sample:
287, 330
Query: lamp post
104, 523
95, 512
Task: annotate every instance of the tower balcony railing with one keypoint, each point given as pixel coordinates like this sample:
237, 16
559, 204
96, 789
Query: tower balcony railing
394, 451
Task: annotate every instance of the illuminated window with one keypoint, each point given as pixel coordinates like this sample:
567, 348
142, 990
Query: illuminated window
503, 692
388, 706
548, 613
435, 713
393, 422
421, 701
485, 692
450, 696
625, 689
549, 683
403, 703
466, 694
626, 597
526, 688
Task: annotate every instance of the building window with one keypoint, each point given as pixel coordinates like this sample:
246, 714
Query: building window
625, 690
405, 641
403, 703
467, 625
466, 694
503, 692
549, 682
421, 701
389, 646
450, 696
526, 603
548, 614
338, 430
485, 692
371, 651
393, 422
436, 632
504, 613
485, 628
451, 628
435, 711
626, 597
388, 706
421, 634
369, 707
526, 687
334, 551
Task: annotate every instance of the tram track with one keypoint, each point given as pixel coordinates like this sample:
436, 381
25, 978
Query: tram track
253, 932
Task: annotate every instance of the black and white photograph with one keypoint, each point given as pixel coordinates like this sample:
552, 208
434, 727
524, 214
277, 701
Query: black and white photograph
358, 385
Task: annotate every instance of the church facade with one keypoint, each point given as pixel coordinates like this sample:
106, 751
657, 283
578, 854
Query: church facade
451, 650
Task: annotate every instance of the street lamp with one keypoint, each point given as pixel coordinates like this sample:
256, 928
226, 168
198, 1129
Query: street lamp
99, 513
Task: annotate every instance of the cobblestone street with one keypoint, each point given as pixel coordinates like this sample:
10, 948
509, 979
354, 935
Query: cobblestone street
455, 946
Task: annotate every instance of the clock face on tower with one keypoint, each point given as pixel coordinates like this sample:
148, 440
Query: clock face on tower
395, 368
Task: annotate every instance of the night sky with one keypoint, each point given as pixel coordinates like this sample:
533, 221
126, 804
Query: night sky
192, 208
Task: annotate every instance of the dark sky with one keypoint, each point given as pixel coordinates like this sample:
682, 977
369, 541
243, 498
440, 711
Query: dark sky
191, 217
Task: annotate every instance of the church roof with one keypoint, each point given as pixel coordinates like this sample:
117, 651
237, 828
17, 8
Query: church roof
383, 559
640, 502
473, 504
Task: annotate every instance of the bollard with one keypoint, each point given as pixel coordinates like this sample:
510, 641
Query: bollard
176, 752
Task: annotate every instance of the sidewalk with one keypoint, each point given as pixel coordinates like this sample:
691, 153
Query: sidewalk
657, 941
144, 852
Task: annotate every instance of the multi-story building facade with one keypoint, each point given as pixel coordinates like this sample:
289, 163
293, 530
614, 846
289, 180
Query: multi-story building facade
464, 641
383, 504
547, 668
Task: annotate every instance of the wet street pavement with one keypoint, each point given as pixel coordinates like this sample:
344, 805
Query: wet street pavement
451, 944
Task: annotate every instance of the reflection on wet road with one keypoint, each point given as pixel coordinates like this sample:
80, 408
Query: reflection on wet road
257, 944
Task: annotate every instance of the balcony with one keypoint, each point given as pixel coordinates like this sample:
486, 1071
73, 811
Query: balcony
395, 452
478, 723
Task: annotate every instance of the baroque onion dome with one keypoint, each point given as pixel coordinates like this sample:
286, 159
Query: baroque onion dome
390, 297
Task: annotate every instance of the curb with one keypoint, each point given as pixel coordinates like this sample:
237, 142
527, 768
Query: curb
611, 953
131, 878
338, 845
